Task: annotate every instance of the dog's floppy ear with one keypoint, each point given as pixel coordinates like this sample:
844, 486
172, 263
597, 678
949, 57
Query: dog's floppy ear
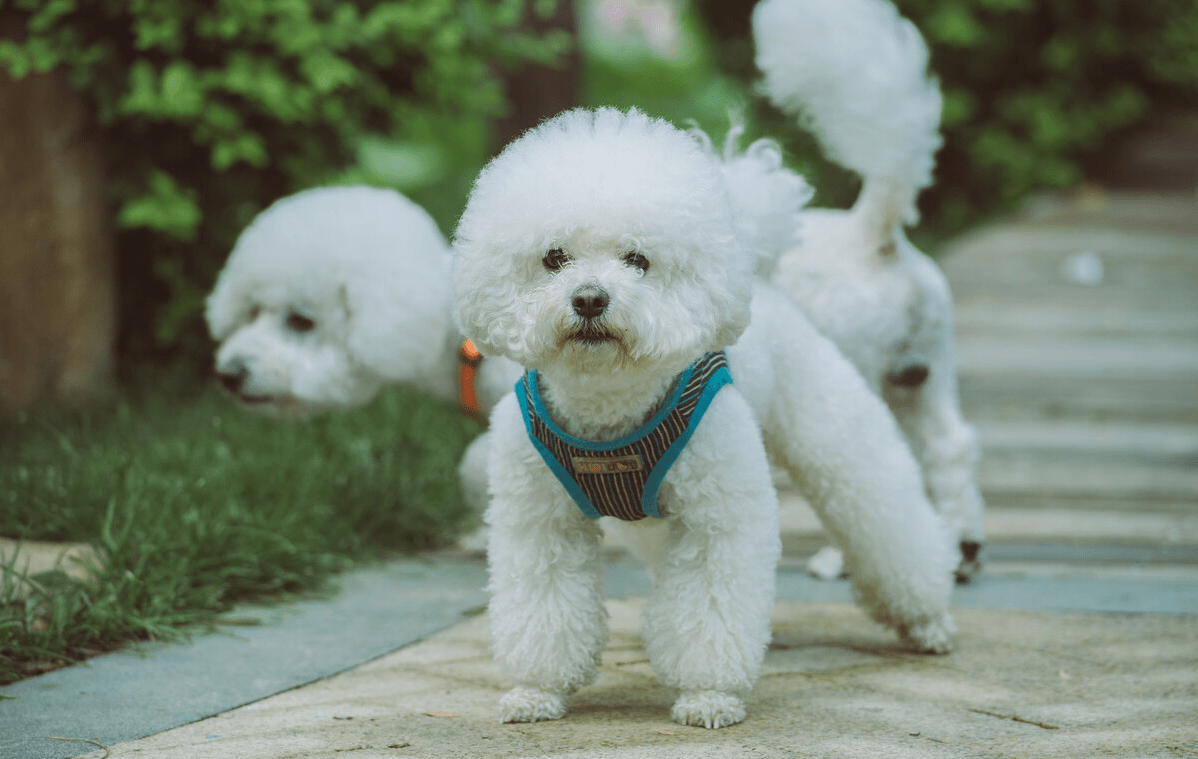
227, 307
487, 295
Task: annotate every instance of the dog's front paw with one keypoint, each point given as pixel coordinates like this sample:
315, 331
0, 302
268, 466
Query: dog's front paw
934, 637
707, 708
527, 704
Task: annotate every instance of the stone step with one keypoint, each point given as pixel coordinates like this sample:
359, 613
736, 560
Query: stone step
1083, 358
1094, 312
1009, 257
1150, 400
1174, 443
1081, 476
1048, 522
1122, 461
1103, 503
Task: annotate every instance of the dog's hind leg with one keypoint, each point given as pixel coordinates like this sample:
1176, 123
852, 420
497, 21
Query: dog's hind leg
706, 624
921, 390
848, 458
946, 448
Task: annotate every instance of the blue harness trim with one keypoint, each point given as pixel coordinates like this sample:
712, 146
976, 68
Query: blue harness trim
621, 478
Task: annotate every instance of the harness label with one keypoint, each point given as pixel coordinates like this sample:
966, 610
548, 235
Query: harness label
614, 465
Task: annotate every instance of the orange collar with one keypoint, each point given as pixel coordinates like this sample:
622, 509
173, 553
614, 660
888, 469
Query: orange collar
470, 358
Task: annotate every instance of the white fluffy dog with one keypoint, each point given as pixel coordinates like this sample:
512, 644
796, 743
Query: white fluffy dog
856, 73
332, 294
602, 250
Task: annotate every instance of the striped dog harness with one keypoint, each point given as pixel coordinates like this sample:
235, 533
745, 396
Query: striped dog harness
620, 478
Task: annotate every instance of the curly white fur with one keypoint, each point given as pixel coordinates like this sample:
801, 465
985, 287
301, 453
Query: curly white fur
629, 206
332, 294
855, 72
767, 197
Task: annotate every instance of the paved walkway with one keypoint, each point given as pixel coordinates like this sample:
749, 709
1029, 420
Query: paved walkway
1078, 341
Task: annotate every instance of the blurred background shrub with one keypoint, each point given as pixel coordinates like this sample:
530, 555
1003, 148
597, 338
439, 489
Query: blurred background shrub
209, 111
1036, 91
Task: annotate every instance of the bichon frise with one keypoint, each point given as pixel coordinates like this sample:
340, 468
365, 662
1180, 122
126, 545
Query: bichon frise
334, 293
602, 251
855, 71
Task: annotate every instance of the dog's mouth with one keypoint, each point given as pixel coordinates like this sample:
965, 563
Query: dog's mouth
592, 337
258, 401
276, 406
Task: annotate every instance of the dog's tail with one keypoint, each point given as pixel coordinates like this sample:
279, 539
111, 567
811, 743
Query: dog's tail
767, 197
855, 73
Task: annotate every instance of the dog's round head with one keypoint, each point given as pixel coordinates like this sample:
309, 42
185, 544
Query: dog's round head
328, 296
601, 241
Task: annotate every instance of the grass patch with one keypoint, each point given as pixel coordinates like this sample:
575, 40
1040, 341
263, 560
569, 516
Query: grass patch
197, 505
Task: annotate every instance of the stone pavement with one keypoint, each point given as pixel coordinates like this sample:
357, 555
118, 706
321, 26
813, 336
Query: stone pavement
1020, 684
1078, 342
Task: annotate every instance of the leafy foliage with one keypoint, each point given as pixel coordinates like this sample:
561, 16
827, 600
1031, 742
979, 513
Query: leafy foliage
1035, 90
208, 111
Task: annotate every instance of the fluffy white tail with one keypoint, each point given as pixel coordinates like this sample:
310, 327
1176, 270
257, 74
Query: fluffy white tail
768, 198
855, 73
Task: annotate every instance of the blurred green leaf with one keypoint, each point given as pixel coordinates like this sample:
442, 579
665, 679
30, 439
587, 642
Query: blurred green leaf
165, 207
244, 101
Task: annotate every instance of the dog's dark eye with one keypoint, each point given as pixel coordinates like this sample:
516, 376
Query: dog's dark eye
299, 323
637, 261
253, 315
555, 259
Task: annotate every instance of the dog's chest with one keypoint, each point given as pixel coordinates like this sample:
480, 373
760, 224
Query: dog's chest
622, 477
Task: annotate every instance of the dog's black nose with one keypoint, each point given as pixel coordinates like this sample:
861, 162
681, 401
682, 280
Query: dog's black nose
590, 301
233, 380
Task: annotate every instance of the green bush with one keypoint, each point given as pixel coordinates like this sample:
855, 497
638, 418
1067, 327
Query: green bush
208, 111
1035, 90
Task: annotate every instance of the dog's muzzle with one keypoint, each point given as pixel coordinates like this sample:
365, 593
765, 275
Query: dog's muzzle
590, 302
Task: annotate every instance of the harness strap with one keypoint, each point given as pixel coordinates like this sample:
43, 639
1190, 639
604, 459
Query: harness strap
621, 478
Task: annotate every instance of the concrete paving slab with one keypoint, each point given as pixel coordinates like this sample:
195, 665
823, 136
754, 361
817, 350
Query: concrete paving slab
1147, 400
260, 651
1059, 309
24, 560
1080, 358
1004, 586
1010, 254
1025, 472
1021, 684
1036, 518
1123, 439
148, 689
